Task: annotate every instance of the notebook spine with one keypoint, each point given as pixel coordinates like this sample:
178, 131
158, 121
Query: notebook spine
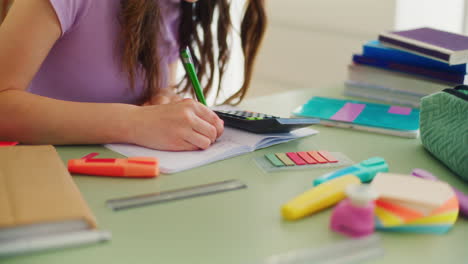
417, 70
374, 49
412, 47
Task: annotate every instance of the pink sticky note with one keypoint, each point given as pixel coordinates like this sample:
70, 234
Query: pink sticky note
295, 158
326, 155
348, 112
399, 110
316, 156
306, 157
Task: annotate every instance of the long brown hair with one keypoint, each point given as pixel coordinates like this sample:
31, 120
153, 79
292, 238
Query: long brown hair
140, 30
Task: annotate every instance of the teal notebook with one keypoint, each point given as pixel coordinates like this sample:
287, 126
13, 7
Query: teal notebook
379, 118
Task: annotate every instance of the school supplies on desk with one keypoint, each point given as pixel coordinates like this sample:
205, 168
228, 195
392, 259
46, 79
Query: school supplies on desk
302, 160
436, 44
232, 143
142, 167
410, 204
365, 170
318, 198
41, 207
378, 118
172, 195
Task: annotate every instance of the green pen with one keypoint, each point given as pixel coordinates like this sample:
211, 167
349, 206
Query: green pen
190, 70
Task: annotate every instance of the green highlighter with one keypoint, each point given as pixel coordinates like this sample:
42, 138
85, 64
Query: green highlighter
190, 69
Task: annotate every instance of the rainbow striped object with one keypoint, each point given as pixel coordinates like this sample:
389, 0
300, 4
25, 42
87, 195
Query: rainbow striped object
403, 216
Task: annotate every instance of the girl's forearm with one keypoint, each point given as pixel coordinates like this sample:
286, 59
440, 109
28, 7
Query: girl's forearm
34, 119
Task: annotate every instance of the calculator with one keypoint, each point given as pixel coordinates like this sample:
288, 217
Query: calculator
262, 123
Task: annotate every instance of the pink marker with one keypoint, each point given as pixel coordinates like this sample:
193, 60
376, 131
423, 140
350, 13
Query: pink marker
354, 216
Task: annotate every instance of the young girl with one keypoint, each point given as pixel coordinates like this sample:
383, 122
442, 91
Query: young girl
102, 71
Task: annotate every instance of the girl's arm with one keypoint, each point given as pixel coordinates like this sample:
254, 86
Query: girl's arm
26, 36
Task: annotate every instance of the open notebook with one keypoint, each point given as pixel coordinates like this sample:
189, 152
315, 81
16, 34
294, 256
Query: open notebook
232, 143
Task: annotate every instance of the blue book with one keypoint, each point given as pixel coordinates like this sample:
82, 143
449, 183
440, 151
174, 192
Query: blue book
455, 78
436, 44
378, 118
374, 49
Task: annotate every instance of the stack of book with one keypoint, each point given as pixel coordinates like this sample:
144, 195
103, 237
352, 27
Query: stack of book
403, 66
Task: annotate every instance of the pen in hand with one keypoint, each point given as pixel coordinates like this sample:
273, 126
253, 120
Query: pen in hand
190, 70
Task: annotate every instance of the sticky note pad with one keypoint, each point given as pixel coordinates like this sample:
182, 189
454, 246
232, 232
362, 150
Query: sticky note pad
306, 157
295, 158
326, 155
399, 110
274, 160
316, 156
284, 158
349, 112
439, 221
404, 188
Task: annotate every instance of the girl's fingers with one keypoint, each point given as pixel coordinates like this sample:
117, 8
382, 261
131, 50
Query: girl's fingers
209, 116
204, 128
198, 140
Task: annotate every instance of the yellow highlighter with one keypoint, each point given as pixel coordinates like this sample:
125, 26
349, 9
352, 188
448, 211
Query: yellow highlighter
318, 198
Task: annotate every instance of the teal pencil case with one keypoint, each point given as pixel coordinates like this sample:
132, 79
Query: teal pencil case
444, 127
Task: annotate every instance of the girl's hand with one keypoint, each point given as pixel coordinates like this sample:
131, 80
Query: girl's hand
164, 96
183, 125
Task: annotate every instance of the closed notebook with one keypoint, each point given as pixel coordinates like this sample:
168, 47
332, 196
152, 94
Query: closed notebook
378, 118
429, 42
375, 49
38, 197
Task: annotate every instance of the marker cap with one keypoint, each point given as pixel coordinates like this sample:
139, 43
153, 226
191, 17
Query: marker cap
361, 194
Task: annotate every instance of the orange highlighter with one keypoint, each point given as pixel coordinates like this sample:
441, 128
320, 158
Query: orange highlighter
138, 167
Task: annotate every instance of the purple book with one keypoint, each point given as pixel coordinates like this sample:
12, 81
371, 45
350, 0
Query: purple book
436, 44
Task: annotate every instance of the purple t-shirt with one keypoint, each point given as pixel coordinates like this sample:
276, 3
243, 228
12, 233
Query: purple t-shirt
84, 65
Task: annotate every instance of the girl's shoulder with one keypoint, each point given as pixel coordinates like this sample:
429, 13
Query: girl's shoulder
71, 12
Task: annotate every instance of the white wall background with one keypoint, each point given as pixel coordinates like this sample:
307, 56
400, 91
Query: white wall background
446, 15
309, 42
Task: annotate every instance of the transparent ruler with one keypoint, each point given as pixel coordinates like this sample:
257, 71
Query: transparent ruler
342, 252
166, 196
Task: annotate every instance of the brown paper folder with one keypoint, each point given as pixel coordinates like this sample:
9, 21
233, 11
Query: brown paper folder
38, 196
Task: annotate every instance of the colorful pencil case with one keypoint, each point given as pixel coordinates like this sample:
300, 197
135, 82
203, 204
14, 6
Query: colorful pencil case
444, 127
